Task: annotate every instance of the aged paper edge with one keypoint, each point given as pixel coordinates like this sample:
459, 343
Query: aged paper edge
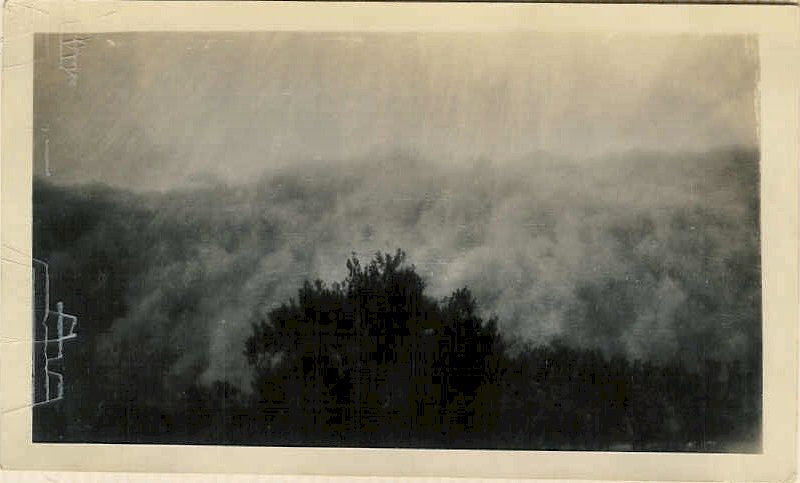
777, 30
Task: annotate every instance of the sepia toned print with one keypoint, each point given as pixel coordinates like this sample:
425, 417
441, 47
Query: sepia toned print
385, 136
527, 241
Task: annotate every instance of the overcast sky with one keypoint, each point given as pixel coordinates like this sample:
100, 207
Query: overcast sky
159, 110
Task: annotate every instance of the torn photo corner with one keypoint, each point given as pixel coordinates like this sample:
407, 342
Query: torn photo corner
411, 239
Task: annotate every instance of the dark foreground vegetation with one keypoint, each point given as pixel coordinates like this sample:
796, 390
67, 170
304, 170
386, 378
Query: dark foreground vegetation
374, 361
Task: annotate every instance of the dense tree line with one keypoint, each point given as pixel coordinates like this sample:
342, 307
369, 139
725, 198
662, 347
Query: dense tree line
374, 361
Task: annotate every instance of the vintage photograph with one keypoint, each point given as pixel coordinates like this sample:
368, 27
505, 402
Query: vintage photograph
431, 240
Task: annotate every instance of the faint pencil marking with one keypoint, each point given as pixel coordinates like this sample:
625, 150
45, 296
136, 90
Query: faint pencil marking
10, 260
17, 250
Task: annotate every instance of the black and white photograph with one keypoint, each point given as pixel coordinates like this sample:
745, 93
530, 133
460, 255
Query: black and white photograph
430, 240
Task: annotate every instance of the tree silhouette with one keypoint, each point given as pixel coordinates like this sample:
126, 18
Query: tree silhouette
374, 357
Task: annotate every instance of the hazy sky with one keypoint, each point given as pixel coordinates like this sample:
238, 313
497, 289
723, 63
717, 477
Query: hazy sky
158, 110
